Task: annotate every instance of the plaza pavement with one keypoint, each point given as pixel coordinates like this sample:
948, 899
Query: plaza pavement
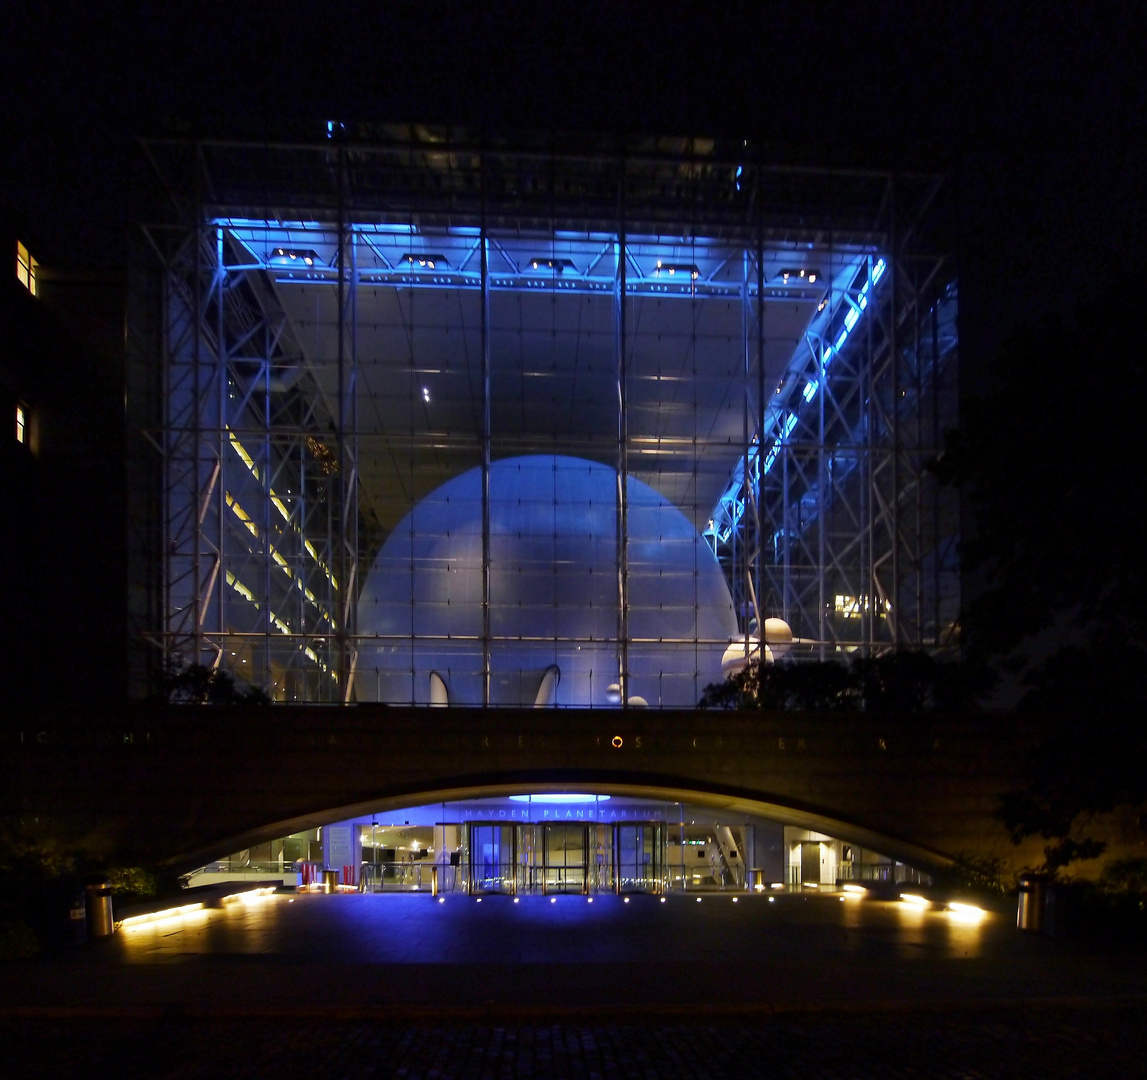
353, 985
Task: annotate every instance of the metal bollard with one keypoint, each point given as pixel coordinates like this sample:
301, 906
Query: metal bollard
98, 903
1029, 909
434, 881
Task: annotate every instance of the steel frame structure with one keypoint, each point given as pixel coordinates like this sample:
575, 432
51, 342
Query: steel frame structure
832, 516
836, 527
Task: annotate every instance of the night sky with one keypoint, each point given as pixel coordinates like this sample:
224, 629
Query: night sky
1038, 117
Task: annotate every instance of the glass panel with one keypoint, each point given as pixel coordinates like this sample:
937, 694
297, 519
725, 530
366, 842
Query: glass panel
553, 488
602, 862
639, 857
492, 862
419, 414
684, 372
565, 858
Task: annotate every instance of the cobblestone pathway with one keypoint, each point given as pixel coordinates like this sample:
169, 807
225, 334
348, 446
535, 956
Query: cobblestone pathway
1047, 1043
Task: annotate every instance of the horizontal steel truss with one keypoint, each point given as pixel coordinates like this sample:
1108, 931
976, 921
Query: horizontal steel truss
645, 276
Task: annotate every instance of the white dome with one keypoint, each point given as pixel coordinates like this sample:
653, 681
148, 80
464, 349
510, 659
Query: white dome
735, 657
553, 590
778, 636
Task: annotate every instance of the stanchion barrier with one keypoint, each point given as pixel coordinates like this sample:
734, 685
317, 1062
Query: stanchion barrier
308, 872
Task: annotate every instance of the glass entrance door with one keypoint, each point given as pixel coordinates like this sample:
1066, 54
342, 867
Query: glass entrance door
601, 858
493, 858
565, 865
638, 856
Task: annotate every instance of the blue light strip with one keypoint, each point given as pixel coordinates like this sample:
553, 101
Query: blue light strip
677, 276
730, 506
570, 797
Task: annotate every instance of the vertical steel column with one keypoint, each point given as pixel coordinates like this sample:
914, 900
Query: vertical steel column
265, 614
486, 435
622, 450
918, 485
867, 484
746, 443
786, 511
197, 410
216, 578
166, 533
265, 552
513, 860
823, 501
894, 413
348, 407
340, 532
760, 418
937, 629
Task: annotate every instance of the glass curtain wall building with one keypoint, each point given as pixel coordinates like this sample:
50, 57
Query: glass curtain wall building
448, 420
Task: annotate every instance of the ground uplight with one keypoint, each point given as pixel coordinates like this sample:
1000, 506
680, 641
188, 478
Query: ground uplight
134, 921
965, 912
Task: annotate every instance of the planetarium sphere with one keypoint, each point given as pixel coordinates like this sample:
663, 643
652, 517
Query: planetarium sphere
554, 586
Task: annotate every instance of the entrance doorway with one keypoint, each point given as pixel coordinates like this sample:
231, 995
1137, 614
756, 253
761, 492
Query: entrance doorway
493, 859
638, 856
566, 858
564, 851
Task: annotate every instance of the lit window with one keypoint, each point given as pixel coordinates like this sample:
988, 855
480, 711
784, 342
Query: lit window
852, 607
21, 425
26, 268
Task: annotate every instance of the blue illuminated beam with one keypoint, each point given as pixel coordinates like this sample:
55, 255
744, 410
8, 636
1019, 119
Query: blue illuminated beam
779, 424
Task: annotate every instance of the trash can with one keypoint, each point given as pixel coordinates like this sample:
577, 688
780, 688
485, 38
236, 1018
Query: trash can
98, 904
330, 880
1032, 900
755, 881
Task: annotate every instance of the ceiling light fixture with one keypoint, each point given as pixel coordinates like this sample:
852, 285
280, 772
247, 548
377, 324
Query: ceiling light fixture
294, 257
677, 269
801, 273
426, 261
557, 264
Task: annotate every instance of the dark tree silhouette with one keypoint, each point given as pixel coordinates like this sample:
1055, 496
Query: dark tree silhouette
897, 682
1050, 466
197, 684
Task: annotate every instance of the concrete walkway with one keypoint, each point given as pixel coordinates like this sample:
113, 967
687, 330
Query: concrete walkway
353, 954
356, 985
